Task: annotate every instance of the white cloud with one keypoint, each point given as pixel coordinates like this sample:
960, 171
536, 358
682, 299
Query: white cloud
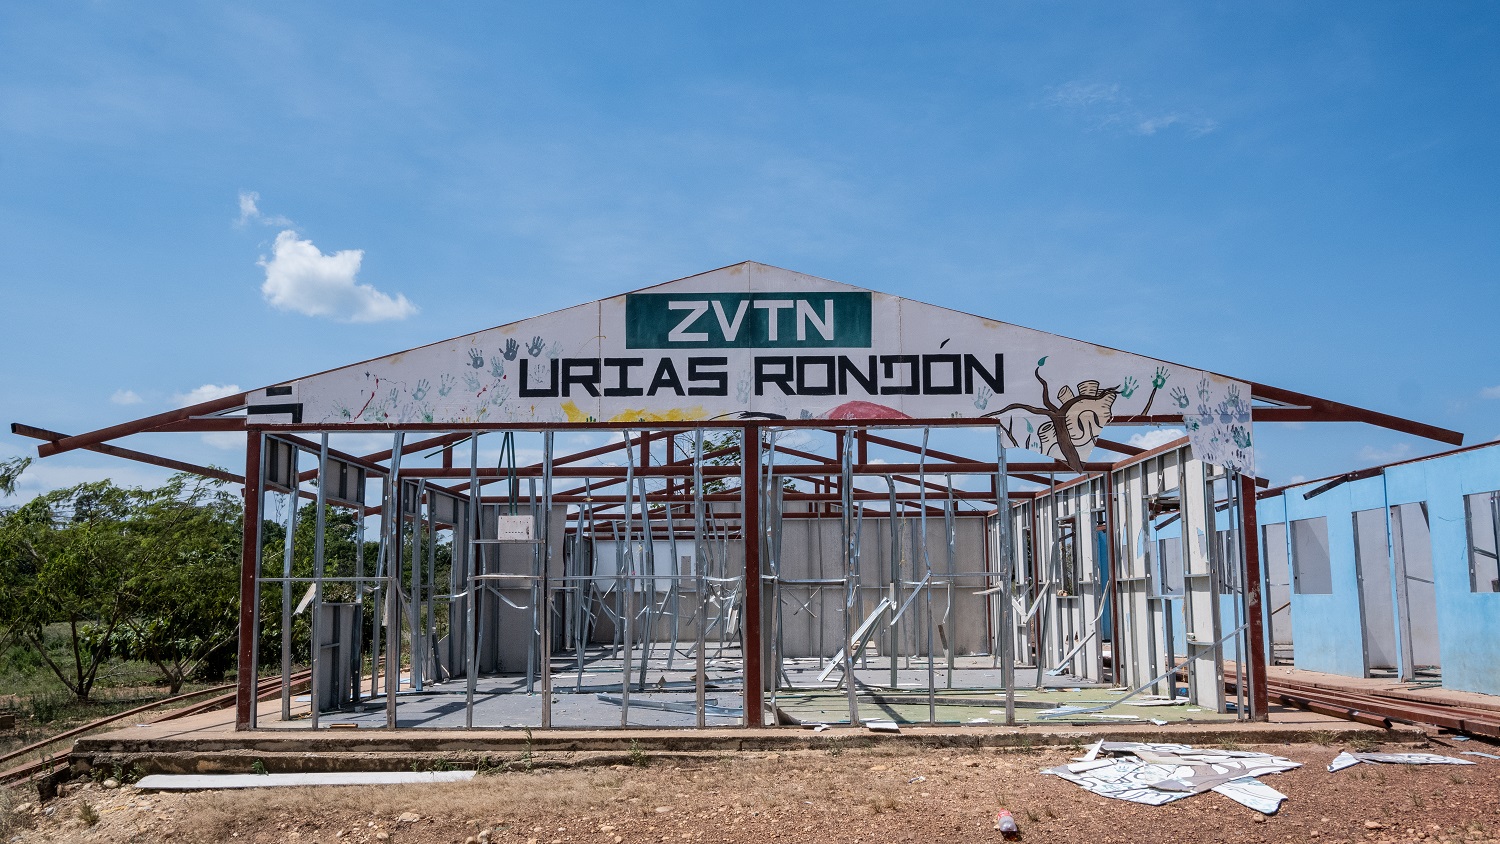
299, 277
226, 440
250, 212
1385, 455
1077, 94
1152, 439
1192, 124
1108, 106
1296, 479
125, 397
207, 392
1489, 393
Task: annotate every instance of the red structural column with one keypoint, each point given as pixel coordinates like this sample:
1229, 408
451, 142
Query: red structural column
244, 698
1255, 670
750, 462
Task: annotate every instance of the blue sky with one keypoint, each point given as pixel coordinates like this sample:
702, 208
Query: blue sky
1298, 194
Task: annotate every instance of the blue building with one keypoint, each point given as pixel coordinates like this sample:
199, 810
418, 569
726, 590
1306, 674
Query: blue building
1389, 571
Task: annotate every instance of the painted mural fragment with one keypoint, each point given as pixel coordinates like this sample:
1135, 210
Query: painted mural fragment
757, 342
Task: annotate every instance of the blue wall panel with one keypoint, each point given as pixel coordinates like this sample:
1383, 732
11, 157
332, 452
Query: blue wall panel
1326, 628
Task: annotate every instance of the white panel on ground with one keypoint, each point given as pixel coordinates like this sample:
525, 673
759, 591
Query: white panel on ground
212, 782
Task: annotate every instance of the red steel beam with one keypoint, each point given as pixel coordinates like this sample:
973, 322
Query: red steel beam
125, 429
751, 642
244, 701
129, 454
1255, 669
1350, 413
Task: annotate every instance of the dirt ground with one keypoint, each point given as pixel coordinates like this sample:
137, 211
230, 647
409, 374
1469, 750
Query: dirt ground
868, 796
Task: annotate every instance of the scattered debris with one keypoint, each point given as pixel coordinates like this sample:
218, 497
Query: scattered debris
916, 780
1156, 774
1347, 759
879, 726
1477, 753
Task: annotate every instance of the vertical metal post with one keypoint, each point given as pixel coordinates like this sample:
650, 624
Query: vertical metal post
393, 528
546, 585
950, 512
533, 628
750, 520
700, 557
286, 587
674, 599
628, 602
414, 602
1395, 543
471, 587
584, 611
245, 667
772, 517
1250, 549
649, 584
895, 585
1007, 563
320, 524
927, 580
359, 591
846, 484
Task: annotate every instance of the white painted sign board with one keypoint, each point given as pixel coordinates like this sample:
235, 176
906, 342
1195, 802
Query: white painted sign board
515, 529
752, 341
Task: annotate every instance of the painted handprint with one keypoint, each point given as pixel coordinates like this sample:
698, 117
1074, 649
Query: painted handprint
1179, 397
500, 395
445, 384
476, 359
982, 397
1240, 435
497, 367
1234, 408
511, 347
1159, 380
421, 391
1127, 388
554, 351
471, 381
1203, 388
393, 397
535, 347
342, 411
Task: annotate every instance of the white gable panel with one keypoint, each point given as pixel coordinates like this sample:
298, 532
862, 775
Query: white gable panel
753, 341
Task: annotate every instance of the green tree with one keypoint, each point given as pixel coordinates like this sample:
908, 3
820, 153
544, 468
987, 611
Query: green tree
184, 578
65, 560
10, 470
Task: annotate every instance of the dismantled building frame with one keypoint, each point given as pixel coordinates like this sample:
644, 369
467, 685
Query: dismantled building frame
1389, 571
742, 501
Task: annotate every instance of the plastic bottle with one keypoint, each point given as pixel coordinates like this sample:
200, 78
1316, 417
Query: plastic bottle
1007, 825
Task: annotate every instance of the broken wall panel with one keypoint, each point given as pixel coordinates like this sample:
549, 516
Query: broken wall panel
1413, 537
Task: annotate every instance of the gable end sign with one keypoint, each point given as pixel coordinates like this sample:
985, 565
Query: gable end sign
747, 320
758, 342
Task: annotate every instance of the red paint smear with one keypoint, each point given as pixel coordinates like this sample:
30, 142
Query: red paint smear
864, 410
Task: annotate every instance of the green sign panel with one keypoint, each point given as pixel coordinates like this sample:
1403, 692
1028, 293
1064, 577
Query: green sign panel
747, 320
